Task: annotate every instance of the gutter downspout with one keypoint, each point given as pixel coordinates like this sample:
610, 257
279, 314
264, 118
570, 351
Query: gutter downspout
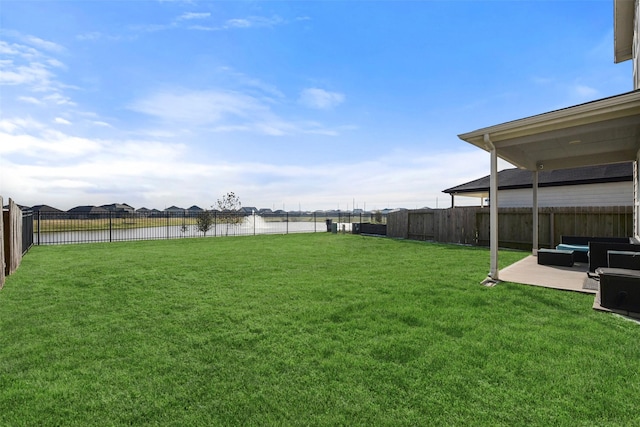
636, 197
534, 209
492, 278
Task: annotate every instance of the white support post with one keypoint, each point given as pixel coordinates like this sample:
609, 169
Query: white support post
493, 213
534, 211
636, 198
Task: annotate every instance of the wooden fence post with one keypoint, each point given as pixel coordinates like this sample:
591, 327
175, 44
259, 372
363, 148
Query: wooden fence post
12, 237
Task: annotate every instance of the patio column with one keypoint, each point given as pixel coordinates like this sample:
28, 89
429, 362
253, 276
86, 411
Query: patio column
493, 212
534, 211
636, 197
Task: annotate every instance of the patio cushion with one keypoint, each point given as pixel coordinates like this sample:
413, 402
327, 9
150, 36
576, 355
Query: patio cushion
581, 252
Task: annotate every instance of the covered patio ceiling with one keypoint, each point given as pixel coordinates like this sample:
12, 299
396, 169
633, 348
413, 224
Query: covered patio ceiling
598, 132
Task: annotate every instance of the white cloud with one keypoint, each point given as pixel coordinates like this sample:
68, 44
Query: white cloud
238, 23
254, 21
320, 98
90, 36
29, 67
59, 99
22, 125
35, 74
43, 44
193, 15
13, 49
55, 63
100, 123
30, 100
222, 111
198, 107
584, 91
61, 121
70, 170
245, 81
31, 138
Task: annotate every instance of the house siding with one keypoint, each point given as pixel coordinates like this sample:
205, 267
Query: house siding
604, 194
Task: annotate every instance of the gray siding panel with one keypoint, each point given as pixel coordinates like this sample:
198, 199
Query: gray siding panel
606, 194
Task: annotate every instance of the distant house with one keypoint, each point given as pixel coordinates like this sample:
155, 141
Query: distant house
248, 210
194, 210
48, 212
601, 185
175, 210
143, 211
119, 209
386, 211
85, 212
265, 211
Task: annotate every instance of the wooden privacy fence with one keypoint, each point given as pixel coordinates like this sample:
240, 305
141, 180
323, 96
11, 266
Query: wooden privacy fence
470, 225
457, 225
11, 236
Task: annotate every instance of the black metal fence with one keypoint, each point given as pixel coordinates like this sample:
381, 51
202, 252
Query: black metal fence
27, 231
52, 228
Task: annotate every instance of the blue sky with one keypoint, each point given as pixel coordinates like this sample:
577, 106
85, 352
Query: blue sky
289, 104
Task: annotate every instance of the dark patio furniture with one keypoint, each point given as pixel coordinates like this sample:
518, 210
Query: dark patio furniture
555, 257
620, 289
580, 252
598, 252
624, 259
584, 240
580, 244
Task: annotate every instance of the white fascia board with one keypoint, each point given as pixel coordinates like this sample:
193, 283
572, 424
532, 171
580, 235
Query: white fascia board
604, 109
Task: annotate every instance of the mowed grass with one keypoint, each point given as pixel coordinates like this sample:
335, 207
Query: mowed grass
305, 329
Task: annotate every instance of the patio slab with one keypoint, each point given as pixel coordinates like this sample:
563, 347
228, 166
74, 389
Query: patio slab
528, 272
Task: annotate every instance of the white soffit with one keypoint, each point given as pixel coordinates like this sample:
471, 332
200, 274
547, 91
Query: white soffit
623, 13
598, 132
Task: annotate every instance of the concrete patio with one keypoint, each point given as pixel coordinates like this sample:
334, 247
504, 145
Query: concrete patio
528, 272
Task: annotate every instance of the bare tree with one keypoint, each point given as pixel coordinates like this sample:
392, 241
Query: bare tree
204, 221
229, 205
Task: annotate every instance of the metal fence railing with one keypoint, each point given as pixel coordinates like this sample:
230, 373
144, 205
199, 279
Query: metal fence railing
52, 228
27, 231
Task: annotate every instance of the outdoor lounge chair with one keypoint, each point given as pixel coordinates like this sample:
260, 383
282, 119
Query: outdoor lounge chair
599, 256
580, 245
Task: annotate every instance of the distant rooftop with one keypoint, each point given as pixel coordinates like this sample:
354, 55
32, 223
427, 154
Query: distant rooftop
510, 179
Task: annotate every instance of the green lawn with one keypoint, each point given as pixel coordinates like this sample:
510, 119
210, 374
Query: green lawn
303, 329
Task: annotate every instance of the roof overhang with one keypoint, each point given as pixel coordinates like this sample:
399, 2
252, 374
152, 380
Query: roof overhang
623, 14
476, 194
598, 132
